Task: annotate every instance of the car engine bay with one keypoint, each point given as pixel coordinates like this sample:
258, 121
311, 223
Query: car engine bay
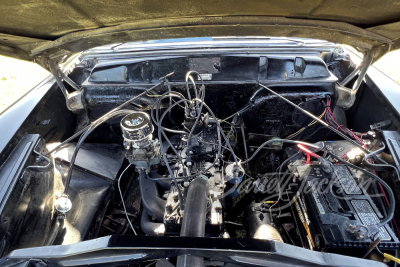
266, 146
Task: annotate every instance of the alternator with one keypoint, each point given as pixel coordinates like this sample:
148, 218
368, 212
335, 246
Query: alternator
141, 149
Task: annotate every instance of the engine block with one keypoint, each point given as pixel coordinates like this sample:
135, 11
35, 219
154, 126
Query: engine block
200, 157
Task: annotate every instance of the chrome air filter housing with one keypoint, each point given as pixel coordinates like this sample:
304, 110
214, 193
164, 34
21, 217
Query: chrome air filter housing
141, 149
137, 129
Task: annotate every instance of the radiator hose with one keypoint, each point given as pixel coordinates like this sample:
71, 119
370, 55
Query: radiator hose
149, 227
194, 219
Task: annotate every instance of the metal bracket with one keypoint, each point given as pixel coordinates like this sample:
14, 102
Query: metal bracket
379, 125
75, 101
69, 81
40, 158
347, 96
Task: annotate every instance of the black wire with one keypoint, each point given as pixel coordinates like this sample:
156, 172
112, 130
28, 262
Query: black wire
194, 85
170, 103
157, 104
316, 131
212, 114
122, 199
164, 155
83, 138
219, 143
102, 117
392, 201
379, 167
218, 133
198, 115
279, 180
160, 128
333, 129
222, 131
158, 121
187, 87
279, 140
236, 113
331, 121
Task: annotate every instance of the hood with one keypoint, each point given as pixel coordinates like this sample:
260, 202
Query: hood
31, 29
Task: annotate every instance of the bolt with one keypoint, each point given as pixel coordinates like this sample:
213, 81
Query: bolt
340, 149
169, 208
39, 159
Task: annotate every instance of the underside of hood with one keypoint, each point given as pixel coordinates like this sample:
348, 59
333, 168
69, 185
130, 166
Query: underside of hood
34, 28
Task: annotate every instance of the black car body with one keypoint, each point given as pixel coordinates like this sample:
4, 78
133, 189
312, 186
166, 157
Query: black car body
260, 146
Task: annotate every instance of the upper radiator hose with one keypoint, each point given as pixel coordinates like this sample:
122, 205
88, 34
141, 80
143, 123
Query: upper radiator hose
194, 218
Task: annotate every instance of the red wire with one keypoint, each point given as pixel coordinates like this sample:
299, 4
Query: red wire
355, 136
360, 140
308, 158
327, 135
345, 153
339, 127
328, 102
387, 202
308, 151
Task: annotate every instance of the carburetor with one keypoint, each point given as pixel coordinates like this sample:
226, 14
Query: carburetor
141, 149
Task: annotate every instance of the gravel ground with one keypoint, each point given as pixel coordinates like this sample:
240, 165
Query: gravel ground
17, 76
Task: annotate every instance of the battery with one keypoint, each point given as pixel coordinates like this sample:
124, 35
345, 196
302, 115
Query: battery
331, 203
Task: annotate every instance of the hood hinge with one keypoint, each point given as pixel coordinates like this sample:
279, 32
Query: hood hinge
347, 96
75, 101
